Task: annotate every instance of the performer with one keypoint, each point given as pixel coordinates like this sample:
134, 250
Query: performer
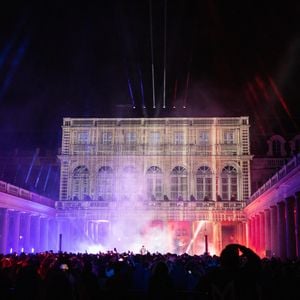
143, 250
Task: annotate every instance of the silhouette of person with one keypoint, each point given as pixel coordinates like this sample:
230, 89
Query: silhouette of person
237, 277
160, 282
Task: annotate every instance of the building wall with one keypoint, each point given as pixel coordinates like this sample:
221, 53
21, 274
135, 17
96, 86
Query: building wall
165, 144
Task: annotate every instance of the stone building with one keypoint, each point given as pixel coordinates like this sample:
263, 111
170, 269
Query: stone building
187, 172
155, 159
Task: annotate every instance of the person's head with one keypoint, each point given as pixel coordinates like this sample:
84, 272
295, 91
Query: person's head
160, 268
229, 257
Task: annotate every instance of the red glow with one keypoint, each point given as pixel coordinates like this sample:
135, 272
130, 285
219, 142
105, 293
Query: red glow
262, 87
282, 101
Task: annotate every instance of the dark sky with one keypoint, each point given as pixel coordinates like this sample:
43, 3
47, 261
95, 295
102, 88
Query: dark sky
94, 59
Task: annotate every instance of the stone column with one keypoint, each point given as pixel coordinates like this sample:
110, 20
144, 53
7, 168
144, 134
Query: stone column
24, 238
297, 222
274, 231
262, 248
281, 230
14, 230
241, 232
3, 230
97, 238
253, 231
268, 233
44, 234
35, 234
290, 228
90, 230
248, 232
53, 237
257, 234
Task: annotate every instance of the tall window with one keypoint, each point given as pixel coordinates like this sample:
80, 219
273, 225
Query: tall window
229, 181
106, 138
204, 183
154, 183
179, 183
203, 138
154, 138
80, 183
276, 148
130, 137
178, 138
82, 137
228, 137
105, 183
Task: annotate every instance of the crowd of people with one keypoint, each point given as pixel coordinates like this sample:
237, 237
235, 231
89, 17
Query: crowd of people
238, 273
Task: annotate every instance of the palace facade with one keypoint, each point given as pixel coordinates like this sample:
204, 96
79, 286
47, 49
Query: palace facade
187, 173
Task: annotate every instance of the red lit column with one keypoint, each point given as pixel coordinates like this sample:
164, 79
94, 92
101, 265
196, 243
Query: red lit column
297, 222
281, 230
257, 233
274, 226
252, 233
243, 232
262, 248
290, 228
3, 229
248, 236
268, 232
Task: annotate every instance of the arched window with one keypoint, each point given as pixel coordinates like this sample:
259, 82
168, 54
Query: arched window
105, 184
204, 183
80, 183
276, 148
179, 183
229, 181
154, 183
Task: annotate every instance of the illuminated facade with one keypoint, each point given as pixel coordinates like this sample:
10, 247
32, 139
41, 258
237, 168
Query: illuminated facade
155, 159
193, 172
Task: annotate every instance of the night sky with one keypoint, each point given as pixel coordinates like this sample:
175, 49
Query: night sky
94, 59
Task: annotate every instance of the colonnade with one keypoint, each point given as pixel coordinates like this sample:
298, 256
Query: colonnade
27, 232
275, 230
